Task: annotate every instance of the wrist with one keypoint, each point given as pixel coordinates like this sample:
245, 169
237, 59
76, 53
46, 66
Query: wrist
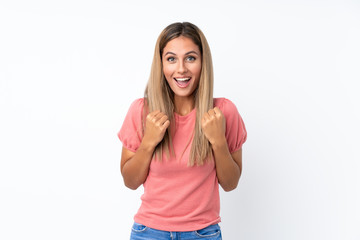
219, 143
147, 145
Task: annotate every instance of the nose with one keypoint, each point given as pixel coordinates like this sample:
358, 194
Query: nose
182, 67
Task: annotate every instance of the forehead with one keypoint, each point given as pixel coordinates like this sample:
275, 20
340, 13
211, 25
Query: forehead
181, 45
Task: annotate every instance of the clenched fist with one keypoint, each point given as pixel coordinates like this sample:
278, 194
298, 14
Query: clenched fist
156, 124
213, 125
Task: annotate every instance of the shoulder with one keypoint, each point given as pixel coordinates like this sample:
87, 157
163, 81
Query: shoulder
235, 128
225, 105
136, 106
130, 133
137, 103
135, 111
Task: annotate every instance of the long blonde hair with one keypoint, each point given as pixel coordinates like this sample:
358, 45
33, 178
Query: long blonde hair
159, 96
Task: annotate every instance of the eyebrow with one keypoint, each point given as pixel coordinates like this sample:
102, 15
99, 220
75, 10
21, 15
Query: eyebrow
185, 53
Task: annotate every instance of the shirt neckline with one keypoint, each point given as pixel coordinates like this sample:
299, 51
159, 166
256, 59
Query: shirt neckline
183, 117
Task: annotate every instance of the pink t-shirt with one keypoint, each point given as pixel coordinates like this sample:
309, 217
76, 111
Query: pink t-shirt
177, 197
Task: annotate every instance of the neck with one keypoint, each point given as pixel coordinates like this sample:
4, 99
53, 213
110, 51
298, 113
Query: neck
184, 105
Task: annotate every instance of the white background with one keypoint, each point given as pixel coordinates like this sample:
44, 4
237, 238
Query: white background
70, 69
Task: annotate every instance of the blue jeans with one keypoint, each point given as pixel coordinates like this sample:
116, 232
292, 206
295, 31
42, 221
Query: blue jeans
141, 232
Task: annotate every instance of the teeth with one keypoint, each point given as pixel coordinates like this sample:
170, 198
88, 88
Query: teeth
182, 79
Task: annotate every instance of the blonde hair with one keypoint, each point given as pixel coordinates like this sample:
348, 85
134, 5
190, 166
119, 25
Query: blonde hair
159, 96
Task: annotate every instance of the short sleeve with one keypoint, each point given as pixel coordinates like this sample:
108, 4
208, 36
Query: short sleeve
130, 133
235, 128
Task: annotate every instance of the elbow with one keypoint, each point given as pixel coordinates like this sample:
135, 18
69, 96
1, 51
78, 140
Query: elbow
129, 182
229, 187
131, 185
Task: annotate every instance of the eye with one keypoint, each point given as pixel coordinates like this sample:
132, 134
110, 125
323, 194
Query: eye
170, 59
190, 58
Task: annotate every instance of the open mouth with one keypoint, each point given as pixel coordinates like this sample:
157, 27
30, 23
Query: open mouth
182, 82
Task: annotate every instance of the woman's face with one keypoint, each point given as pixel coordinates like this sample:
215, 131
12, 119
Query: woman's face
181, 62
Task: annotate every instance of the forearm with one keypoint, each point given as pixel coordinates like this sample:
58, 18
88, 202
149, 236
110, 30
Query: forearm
227, 170
136, 169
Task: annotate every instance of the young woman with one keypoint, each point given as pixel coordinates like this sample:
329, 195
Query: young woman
180, 142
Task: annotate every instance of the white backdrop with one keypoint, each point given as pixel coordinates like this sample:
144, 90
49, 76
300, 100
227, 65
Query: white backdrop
70, 69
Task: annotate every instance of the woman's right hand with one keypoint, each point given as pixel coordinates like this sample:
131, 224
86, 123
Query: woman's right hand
135, 165
156, 124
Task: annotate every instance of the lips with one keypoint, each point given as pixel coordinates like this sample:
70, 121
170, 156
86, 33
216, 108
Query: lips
182, 82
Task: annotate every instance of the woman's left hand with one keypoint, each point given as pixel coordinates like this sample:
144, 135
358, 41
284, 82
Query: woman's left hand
213, 125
